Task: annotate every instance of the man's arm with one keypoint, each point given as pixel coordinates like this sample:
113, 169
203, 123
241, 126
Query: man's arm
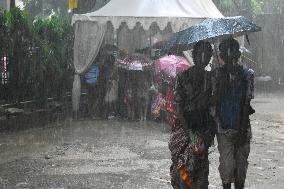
249, 94
181, 117
180, 99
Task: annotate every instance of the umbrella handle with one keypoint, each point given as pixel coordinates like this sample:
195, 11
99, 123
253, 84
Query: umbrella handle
215, 49
247, 38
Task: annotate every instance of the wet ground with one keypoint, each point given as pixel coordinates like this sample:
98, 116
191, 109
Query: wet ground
129, 155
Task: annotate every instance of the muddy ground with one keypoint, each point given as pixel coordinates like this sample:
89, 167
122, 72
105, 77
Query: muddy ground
129, 155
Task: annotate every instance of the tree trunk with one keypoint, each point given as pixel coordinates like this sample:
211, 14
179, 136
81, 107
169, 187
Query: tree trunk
12, 4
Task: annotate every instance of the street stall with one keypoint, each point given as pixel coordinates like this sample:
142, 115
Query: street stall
131, 25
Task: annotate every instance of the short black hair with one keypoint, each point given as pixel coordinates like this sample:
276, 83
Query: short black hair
201, 45
230, 49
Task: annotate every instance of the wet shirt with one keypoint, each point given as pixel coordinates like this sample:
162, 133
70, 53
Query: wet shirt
193, 90
237, 89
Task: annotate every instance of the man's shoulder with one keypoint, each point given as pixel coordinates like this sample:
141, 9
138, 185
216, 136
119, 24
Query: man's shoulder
247, 72
185, 74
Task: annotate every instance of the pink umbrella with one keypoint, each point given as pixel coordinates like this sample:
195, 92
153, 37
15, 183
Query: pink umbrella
171, 65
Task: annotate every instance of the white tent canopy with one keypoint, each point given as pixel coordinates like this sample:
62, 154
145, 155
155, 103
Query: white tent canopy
177, 12
129, 24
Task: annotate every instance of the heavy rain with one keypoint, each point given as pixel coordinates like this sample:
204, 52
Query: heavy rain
142, 94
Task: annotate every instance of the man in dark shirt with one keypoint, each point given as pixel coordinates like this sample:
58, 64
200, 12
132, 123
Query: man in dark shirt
192, 96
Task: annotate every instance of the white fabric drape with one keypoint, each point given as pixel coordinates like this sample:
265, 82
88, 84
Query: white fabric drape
88, 40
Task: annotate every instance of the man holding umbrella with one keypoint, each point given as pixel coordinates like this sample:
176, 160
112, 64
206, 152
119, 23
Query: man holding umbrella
234, 90
189, 143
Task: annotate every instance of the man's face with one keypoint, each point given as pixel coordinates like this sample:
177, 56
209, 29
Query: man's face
203, 57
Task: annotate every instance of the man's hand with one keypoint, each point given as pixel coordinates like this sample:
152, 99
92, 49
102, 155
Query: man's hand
243, 136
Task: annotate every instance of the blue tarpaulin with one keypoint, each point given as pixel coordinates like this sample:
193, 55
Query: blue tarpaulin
92, 75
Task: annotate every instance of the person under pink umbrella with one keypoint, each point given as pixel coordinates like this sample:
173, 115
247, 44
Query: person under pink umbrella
171, 65
167, 68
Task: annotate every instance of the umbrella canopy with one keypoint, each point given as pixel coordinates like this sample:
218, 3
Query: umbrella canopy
171, 65
135, 62
211, 29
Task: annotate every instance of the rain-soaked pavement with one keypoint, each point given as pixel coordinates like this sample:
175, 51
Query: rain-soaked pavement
129, 155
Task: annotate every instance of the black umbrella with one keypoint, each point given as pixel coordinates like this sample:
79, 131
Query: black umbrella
209, 30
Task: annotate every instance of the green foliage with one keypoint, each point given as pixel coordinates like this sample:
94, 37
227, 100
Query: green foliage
238, 7
40, 56
17, 48
2, 32
54, 41
257, 6
44, 8
250, 7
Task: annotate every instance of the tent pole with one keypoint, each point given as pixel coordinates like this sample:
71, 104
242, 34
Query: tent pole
116, 38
